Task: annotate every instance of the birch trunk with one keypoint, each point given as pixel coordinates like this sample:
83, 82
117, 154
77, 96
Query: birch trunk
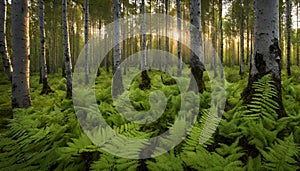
66, 44
118, 86
214, 38
267, 53
167, 38
146, 82
44, 72
197, 67
20, 54
3, 43
179, 67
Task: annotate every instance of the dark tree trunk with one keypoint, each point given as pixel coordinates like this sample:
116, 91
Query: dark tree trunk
288, 32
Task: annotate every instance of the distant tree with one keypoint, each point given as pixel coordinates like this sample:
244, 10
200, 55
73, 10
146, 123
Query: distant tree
44, 72
297, 34
288, 35
267, 52
20, 54
179, 67
86, 39
3, 43
66, 45
242, 57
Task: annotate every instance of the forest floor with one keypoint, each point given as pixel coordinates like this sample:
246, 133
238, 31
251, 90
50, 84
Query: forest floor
48, 136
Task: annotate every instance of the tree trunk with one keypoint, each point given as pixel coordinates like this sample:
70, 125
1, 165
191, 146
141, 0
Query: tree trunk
86, 40
214, 38
20, 54
44, 72
242, 57
267, 53
288, 32
167, 38
3, 43
221, 38
66, 44
118, 84
197, 67
146, 82
179, 67
297, 35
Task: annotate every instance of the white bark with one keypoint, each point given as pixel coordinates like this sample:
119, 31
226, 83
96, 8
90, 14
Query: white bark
44, 71
196, 44
66, 44
179, 67
117, 85
3, 43
144, 57
265, 35
117, 55
20, 54
167, 38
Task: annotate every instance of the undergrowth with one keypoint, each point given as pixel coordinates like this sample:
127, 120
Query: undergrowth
48, 136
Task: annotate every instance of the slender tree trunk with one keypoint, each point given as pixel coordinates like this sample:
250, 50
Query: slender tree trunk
197, 67
214, 38
20, 54
150, 41
232, 39
3, 43
66, 44
267, 53
248, 39
221, 37
242, 57
86, 40
167, 38
46, 88
118, 85
288, 32
179, 67
146, 82
297, 35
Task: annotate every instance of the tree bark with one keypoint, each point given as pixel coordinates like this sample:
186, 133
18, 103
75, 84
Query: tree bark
86, 40
146, 82
197, 67
118, 86
242, 57
3, 43
20, 54
214, 38
288, 34
44, 72
66, 45
167, 38
297, 35
267, 53
179, 67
